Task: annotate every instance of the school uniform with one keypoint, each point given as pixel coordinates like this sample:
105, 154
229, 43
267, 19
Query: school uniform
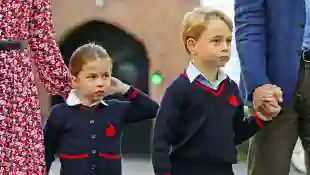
198, 126
87, 140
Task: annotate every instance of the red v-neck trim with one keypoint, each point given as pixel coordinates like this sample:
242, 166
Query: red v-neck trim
208, 89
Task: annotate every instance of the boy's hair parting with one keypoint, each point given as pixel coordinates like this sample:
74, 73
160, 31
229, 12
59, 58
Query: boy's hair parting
196, 21
84, 54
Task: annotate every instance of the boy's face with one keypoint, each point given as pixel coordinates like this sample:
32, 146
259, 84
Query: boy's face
94, 79
214, 45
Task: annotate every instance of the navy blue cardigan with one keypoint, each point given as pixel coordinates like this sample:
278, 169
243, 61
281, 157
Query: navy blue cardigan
88, 140
196, 124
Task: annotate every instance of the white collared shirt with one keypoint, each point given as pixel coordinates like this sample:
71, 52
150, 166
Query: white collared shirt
193, 73
73, 100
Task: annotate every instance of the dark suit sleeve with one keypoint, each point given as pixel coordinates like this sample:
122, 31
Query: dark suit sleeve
245, 127
140, 107
251, 44
52, 133
166, 121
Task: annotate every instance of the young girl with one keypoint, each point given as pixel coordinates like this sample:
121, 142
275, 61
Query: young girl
201, 117
85, 132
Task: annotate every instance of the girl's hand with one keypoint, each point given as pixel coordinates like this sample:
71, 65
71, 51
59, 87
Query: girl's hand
117, 86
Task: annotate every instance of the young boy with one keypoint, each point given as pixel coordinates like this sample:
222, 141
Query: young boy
85, 132
201, 117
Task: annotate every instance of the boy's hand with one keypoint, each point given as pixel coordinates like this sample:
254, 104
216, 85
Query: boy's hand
262, 117
117, 86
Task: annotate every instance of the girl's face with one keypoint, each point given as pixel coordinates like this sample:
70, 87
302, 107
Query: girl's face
94, 79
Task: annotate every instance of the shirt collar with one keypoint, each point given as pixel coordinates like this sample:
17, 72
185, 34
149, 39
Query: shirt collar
73, 100
192, 73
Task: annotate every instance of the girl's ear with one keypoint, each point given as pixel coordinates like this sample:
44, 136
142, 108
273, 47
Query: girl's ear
111, 67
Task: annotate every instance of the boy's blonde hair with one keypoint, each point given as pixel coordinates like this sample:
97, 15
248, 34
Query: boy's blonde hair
196, 21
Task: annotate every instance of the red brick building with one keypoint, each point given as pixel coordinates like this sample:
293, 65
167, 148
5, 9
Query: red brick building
141, 36
156, 24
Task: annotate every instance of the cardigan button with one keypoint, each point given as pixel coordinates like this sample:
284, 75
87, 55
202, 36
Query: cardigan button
93, 167
93, 136
92, 121
93, 151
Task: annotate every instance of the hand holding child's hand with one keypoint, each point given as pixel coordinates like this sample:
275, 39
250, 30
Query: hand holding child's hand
271, 103
117, 86
262, 117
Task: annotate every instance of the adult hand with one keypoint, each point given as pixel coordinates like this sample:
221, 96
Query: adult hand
266, 99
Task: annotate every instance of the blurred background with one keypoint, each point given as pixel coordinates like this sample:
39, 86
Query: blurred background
143, 39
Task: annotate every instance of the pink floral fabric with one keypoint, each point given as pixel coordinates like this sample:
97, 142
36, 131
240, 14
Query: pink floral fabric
21, 135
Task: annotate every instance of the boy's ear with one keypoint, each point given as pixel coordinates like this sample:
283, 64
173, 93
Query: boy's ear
191, 45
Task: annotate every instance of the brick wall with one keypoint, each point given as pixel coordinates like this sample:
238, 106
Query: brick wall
155, 23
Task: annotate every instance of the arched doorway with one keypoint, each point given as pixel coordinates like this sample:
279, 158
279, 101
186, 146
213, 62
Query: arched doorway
130, 65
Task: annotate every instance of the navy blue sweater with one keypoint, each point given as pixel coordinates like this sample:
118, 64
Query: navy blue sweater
199, 125
88, 140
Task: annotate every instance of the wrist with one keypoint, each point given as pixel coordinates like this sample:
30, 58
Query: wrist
125, 88
131, 93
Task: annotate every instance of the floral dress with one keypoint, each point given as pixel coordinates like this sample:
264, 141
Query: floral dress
21, 135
